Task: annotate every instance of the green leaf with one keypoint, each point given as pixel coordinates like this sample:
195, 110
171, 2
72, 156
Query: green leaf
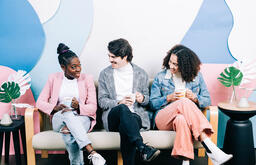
224, 76
231, 76
9, 91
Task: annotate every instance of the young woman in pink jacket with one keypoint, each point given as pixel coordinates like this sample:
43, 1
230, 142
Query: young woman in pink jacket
70, 97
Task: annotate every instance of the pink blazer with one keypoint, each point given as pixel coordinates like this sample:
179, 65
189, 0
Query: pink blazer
87, 95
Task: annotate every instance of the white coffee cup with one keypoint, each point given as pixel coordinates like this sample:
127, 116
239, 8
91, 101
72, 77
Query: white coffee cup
6, 120
243, 103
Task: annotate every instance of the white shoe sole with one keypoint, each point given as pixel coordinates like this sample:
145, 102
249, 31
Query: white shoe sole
230, 156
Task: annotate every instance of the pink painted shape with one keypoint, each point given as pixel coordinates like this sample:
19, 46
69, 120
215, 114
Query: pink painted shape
219, 92
26, 98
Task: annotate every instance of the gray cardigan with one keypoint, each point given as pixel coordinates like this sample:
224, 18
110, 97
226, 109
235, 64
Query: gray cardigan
107, 94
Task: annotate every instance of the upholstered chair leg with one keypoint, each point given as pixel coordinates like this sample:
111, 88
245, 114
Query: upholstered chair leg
119, 158
44, 154
201, 152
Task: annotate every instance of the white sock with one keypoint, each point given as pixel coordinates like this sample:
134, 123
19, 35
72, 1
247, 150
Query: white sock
185, 162
217, 155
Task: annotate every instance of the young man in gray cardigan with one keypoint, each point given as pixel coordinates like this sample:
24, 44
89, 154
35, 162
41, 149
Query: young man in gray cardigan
123, 94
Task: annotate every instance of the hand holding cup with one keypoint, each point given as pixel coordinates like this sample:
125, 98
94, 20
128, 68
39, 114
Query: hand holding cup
180, 93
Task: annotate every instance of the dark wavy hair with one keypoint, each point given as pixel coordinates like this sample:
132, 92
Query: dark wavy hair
121, 48
65, 55
188, 62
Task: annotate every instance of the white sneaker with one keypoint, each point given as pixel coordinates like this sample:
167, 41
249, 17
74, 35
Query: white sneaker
217, 155
219, 160
97, 159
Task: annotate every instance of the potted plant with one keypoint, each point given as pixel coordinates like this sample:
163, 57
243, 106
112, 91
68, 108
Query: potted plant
15, 87
231, 76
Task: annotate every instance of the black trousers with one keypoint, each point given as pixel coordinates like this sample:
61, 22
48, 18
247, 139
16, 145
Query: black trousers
128, 124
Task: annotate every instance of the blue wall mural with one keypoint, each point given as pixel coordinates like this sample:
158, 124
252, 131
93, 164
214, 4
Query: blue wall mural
210, 31
22, 36
71, 25
27, 44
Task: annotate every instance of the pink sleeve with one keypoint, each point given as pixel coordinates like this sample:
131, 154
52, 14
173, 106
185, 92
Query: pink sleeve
43, 100
90, 106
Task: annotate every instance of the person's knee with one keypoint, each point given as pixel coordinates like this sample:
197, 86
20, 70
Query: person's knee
122, 108
184, 102
68, 116
180, 120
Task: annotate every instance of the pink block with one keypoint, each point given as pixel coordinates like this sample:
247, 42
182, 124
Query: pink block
26, 98
219, 92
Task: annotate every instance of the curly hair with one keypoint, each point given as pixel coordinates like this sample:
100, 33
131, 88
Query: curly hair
121, 48
188, 62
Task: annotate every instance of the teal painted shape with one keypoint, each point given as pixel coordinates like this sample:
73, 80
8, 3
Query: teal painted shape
222, 122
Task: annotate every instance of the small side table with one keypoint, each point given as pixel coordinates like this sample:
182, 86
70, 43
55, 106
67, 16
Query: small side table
14, 128
239, 136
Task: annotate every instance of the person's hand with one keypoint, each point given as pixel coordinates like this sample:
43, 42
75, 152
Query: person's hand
66, 110
75, 103
139, 97
190, 95
171, 97
127, 100
59, 107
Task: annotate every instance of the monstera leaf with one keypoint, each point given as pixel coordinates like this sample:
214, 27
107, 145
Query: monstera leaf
9, 91
231, 77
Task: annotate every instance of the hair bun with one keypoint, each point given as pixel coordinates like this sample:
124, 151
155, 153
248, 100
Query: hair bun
62, 48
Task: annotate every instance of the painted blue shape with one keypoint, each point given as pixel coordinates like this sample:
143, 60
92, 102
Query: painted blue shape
21, 35
71, 25
208, 35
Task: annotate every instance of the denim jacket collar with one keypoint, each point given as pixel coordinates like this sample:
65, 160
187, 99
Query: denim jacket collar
168, 74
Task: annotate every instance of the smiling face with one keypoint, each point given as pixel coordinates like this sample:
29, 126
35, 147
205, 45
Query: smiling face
173, 64
73, 69
117, 61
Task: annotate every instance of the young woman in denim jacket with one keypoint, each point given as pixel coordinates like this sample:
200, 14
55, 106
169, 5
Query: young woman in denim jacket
177, 94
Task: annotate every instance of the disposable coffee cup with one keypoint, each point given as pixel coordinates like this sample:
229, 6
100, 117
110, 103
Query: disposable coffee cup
133, 97
67, 101
180, 93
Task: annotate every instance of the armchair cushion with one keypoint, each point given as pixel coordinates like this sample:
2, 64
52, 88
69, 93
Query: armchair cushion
102, 140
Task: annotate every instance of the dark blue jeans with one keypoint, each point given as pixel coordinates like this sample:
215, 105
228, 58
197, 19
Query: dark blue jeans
128, 124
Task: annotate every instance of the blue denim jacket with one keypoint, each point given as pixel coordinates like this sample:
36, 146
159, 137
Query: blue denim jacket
163, 85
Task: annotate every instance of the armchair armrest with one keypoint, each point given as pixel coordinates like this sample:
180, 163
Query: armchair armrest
214, 122
29, 127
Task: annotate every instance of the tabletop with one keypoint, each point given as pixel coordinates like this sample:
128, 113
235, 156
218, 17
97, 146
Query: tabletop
16, 124
234, 107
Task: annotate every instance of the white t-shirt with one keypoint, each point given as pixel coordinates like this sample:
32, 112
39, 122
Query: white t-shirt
178, 82
68, 90
123, 79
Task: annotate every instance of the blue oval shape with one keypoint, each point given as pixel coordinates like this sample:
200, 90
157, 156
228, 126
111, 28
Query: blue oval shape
22, 36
